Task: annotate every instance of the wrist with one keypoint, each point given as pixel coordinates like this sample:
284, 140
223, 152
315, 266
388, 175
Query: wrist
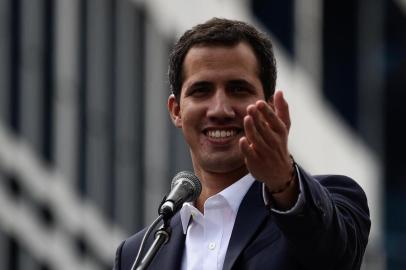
287, 184
285, 198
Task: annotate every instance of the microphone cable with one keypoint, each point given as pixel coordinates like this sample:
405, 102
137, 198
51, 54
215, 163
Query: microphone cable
146, 235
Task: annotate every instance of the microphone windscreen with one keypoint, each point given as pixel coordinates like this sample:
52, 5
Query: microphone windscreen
192, 179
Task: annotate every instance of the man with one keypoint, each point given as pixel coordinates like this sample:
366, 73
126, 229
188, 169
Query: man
258, 209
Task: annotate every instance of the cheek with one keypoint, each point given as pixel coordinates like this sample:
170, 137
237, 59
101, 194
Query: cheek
189, 118
192, 111
241, 109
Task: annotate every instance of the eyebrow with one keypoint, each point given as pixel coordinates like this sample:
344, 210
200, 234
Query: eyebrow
241, 82
231, 82
236, 82
200, 83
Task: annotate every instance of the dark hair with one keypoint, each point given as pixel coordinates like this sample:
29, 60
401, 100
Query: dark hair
224, 32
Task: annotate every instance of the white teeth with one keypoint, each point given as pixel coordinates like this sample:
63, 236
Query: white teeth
221, 133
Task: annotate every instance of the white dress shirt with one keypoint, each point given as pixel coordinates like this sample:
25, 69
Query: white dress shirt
208, 235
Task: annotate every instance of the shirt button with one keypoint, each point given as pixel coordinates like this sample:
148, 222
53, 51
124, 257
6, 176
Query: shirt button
212, 245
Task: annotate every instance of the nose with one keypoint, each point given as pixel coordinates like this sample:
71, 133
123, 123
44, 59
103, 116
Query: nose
220, 107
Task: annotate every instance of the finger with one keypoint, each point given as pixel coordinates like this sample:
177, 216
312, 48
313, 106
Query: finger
246, 149
282, 108
252, 134
269, 114
261, 125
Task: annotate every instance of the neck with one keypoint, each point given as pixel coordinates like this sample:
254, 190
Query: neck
213, 183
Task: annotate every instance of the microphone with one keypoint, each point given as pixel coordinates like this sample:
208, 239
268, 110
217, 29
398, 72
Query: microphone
185, 187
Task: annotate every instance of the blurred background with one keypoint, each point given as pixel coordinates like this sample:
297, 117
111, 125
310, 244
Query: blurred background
86, 146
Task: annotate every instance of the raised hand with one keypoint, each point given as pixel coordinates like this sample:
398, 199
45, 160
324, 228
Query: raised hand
265, 144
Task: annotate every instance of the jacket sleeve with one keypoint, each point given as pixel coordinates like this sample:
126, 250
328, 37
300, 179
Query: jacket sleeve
331, 229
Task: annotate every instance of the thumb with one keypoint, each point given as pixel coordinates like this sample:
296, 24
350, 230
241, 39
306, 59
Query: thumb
282, 108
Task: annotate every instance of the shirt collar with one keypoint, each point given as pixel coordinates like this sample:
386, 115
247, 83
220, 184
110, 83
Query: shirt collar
233, 194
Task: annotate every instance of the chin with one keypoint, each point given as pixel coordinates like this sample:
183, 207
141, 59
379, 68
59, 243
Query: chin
223, 165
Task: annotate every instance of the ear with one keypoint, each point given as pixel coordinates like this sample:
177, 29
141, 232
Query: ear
174, 111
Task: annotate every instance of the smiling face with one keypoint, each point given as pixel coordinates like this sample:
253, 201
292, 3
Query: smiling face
219, 82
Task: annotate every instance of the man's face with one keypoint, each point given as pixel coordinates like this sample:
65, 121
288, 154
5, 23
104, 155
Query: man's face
219, 82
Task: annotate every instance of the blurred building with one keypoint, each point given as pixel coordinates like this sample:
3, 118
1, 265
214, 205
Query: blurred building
87, 150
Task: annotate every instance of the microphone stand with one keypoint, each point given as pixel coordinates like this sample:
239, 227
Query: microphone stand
162, 237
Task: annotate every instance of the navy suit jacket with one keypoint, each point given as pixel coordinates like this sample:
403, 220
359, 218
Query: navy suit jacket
330, 232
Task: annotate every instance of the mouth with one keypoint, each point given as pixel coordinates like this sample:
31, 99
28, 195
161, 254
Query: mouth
222, 134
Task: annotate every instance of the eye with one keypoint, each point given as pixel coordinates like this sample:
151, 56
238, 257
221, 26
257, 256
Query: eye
199, 90
240, 88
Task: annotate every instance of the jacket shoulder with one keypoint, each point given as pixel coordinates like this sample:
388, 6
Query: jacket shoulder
127, 251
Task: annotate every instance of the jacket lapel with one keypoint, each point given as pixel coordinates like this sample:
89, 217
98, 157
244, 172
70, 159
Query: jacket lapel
170, 255
251, 214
